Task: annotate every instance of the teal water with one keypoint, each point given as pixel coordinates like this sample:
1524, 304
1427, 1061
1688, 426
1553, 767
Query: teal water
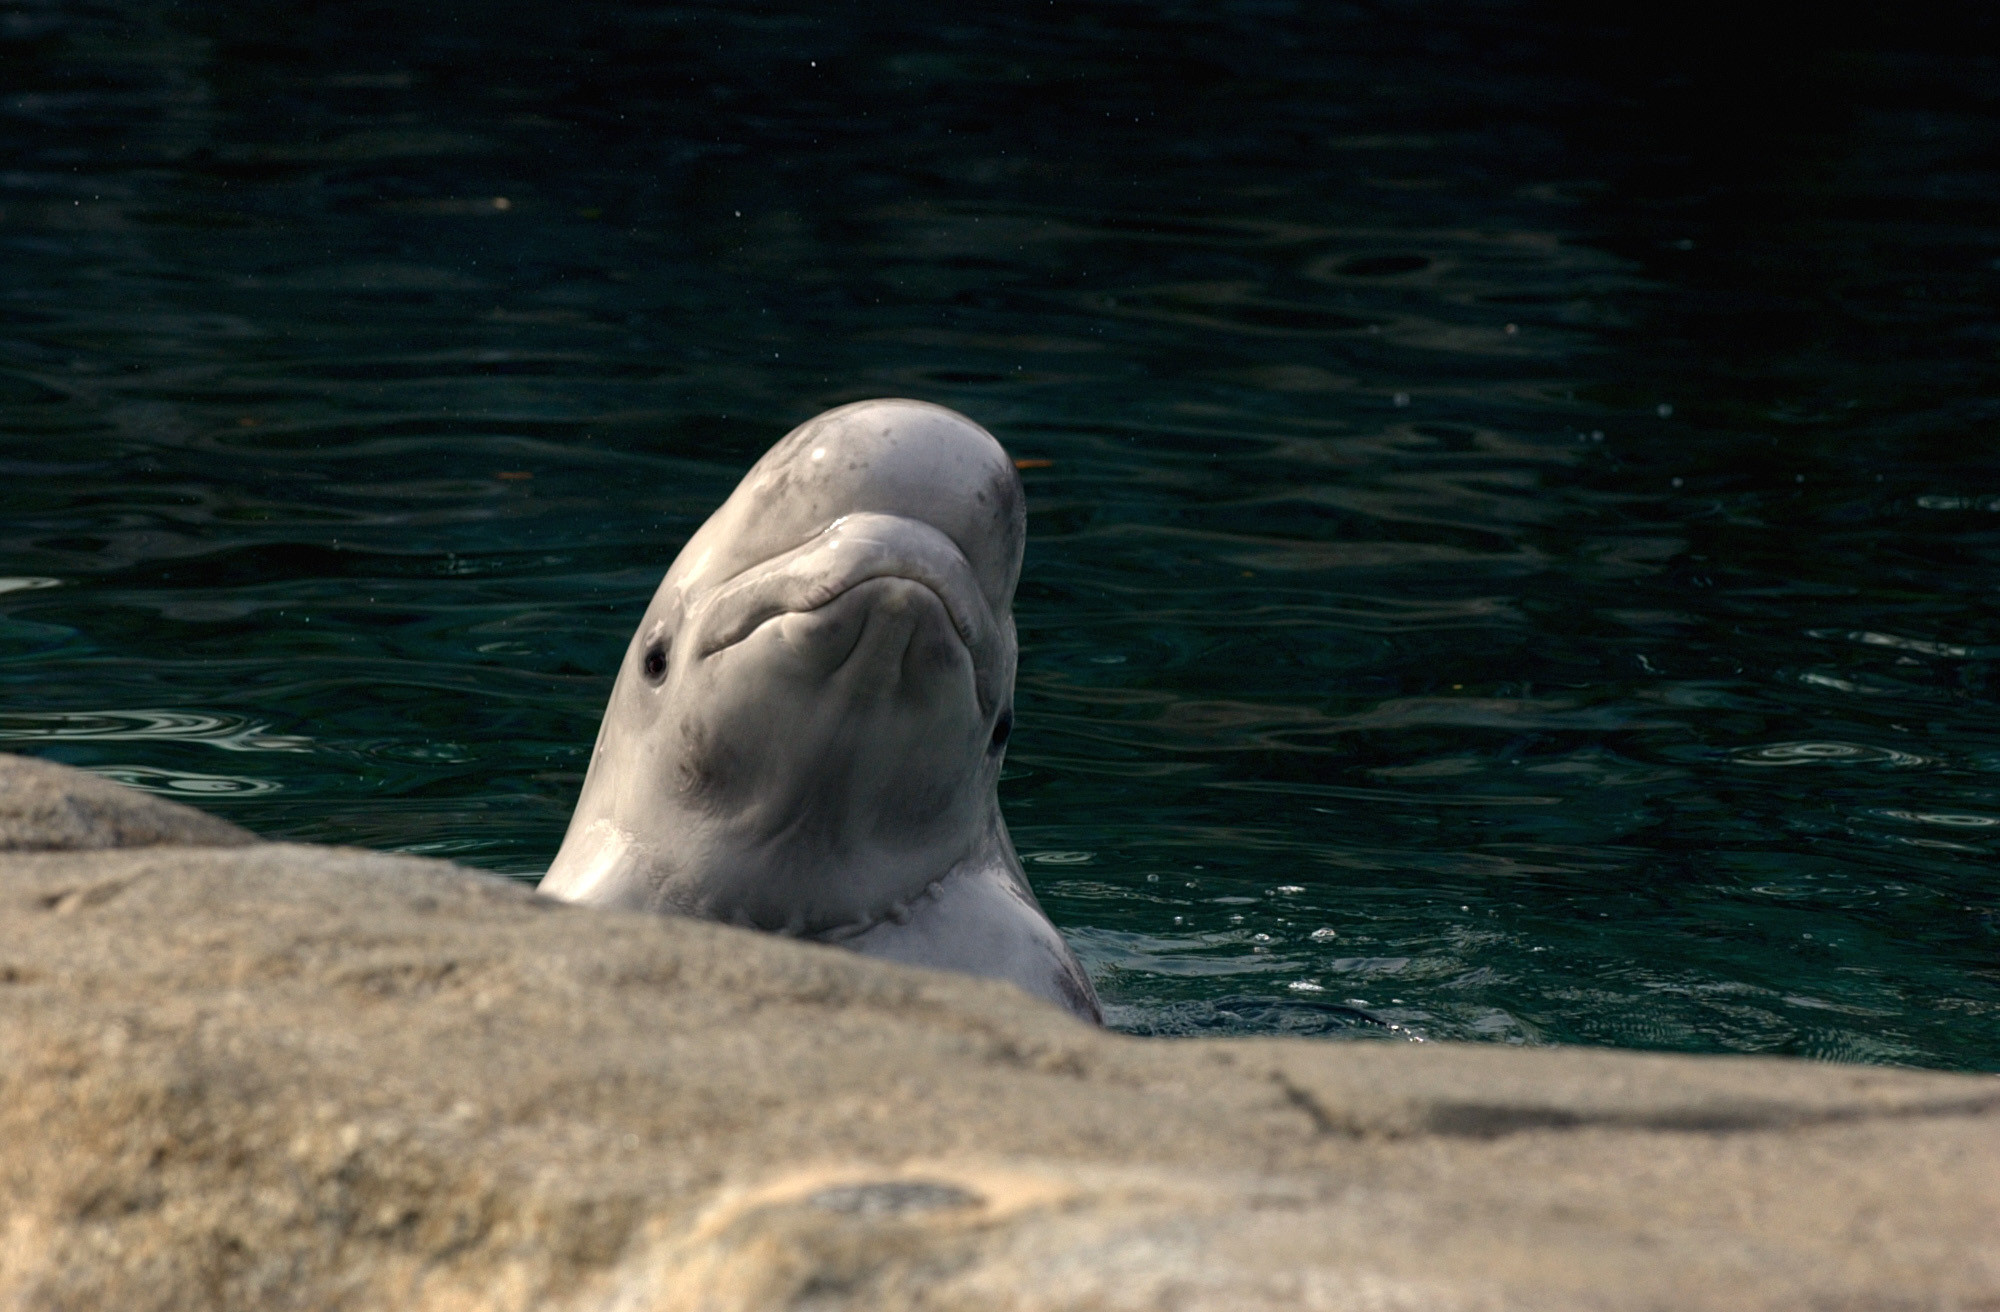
1514, 503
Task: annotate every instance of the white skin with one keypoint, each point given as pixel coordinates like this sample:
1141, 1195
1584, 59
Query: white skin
807, 730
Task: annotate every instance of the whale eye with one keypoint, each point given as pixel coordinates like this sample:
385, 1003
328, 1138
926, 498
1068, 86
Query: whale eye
1001, 728
656, 661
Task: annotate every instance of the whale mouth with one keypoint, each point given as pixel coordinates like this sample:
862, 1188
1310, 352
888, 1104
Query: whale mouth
956, 624
852, 551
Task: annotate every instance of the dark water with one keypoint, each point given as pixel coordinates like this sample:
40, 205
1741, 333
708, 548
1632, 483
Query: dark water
1516, 553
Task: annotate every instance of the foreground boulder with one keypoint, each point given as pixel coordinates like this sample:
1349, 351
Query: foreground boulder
50, 808
272, 1076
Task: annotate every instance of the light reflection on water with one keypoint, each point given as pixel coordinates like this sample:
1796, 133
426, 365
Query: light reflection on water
1480, 584
231, 733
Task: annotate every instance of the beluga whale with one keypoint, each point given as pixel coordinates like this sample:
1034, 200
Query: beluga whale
807, 730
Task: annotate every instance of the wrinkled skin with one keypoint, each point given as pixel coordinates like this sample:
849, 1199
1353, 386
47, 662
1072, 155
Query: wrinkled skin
807, 730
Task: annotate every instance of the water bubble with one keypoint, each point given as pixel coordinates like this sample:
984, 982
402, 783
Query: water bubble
1401, 399
1664, 411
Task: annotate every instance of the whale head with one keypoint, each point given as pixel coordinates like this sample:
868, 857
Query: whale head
808, 725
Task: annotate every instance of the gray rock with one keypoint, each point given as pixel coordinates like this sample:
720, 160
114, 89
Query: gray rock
282, 1076
45, 807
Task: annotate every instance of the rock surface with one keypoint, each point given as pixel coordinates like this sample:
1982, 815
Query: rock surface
47, 807
271, 1076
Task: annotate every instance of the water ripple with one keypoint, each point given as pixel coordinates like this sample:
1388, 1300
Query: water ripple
231, 733
1828, 753
185, 784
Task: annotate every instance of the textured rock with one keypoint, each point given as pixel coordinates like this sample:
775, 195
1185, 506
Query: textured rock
296, 1077
49, 808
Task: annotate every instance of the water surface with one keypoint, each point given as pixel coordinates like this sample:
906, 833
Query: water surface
1513, 498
